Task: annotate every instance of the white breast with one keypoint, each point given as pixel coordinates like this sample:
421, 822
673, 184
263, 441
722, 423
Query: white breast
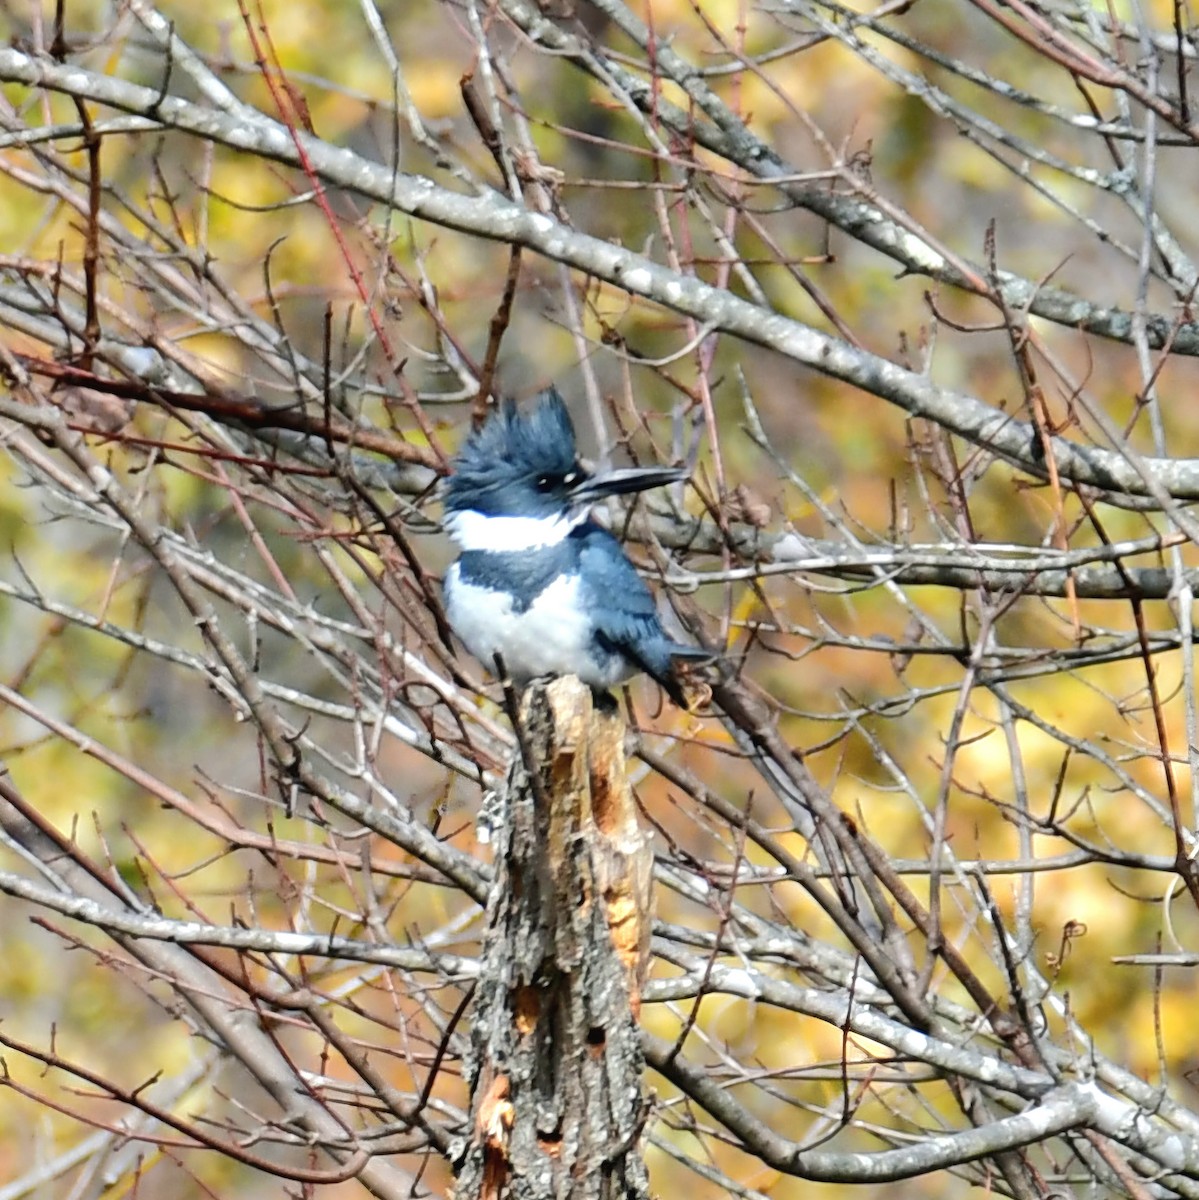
551, 637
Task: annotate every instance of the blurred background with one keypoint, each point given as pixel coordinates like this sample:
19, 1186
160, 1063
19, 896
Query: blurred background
234, 375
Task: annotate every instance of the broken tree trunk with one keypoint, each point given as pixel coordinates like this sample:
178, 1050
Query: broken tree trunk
558, 1102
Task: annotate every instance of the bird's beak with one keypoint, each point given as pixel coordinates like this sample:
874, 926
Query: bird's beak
623, 481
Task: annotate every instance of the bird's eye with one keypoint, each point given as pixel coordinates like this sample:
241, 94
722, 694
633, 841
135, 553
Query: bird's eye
572, 477
547, 483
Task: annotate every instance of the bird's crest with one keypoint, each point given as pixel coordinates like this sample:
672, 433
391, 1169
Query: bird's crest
511, 445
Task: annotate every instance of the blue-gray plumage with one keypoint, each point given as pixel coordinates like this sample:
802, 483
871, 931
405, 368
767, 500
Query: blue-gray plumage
538, 582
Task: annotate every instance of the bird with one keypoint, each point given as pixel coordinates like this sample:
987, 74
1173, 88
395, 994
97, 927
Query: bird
537, 581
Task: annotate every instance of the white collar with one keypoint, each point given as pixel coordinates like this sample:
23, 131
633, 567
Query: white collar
478, 531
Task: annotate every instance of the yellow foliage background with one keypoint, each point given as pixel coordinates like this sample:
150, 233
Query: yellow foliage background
275, 249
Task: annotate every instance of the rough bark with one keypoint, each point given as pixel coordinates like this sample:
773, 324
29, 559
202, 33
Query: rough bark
557, 1071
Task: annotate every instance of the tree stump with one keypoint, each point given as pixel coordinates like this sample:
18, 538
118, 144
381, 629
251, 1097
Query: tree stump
558, 1102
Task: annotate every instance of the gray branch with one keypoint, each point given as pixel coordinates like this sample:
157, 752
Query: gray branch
491, 216
199, 933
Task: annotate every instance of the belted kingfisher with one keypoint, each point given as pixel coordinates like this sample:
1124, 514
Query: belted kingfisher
538, 581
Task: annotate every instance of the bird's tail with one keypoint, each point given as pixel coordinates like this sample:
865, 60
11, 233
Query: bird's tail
687, 692
692, 653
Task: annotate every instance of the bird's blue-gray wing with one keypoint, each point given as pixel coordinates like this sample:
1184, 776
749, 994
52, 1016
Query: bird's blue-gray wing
626, 618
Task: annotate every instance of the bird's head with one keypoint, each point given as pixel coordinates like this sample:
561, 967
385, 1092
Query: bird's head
518, 483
